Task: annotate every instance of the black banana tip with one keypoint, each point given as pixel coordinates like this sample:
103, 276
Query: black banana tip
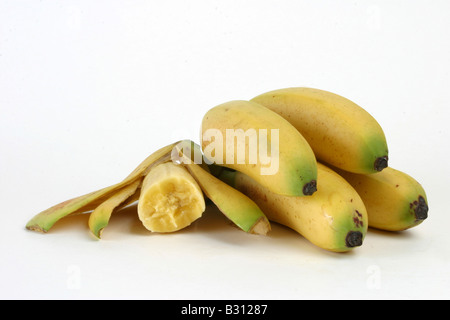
354, 239
421, 211
310, 188
381, 163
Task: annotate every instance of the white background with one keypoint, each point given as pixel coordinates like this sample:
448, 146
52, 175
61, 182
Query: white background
88, 89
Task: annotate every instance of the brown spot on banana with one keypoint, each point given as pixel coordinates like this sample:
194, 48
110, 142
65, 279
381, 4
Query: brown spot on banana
357, 219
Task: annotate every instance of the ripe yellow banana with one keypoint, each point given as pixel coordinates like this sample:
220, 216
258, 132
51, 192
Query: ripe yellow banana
340, 132
252, 139
333, 218
170, 199
394, 200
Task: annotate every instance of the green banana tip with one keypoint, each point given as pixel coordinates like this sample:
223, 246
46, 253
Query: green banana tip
36, 228
32, 225
261, 227
98, 234
97, 229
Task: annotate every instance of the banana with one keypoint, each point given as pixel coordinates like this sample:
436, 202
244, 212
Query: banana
236, 206
170, 199
247, 137
340, 132
44, 221
333, 218
394, 200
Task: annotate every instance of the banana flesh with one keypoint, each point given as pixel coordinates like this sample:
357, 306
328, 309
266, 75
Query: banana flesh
170, 199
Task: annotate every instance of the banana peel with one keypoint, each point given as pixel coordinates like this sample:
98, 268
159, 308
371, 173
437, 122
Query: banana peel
44, 221
236, 206
99, 218
101, 204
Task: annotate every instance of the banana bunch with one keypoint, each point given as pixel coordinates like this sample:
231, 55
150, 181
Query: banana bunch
347, 139
305, 158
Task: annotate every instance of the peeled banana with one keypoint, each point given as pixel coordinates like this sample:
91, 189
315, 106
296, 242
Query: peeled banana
333, 218
170, 199
44, 220
252, 139
394, 200
340, 132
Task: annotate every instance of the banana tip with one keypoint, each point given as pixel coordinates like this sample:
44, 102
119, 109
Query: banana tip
261, 227
421, 211
36, 228
381, 163
354, 239
310, 188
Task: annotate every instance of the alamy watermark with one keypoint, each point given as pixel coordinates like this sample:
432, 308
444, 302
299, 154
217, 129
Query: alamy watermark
250, 147
373, 281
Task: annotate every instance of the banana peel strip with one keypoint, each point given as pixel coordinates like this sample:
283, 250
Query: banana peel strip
99, 218
43, 221
236, 206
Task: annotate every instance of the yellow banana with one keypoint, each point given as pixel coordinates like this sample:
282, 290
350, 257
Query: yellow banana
340, 132
394, 200
252, 139
170, 199
333, 218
